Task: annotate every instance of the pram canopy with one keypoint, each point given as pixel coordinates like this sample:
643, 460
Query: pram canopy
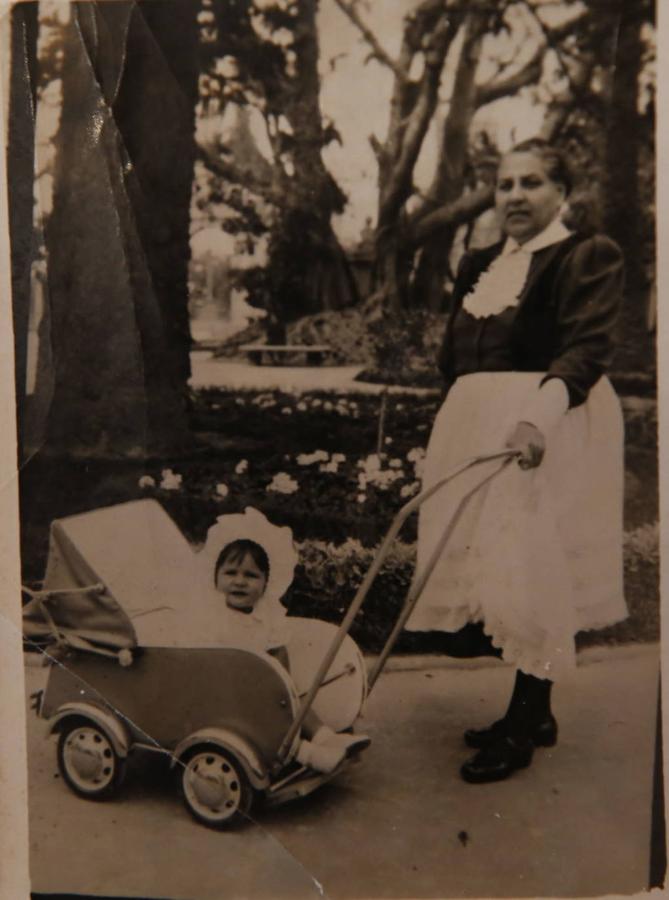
155, 591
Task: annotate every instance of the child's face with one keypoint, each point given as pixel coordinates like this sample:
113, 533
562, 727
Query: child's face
242, 582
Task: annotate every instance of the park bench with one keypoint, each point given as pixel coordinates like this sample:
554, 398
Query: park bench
312, 354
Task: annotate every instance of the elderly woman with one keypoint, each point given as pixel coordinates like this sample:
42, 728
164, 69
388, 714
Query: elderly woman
537, 554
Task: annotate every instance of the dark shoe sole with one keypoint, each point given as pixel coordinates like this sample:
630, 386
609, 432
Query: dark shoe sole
482, 772
486, 775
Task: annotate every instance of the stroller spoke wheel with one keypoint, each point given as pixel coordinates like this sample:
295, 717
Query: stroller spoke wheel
88, 762
215, 788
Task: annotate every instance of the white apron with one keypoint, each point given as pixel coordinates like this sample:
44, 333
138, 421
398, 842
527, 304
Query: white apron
537, 554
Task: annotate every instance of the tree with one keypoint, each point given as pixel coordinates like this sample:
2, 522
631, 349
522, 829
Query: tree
20, 163
266, 56
115, 343
414, 244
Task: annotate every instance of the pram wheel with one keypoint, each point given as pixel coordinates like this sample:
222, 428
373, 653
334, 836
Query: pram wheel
215, 788
88, 761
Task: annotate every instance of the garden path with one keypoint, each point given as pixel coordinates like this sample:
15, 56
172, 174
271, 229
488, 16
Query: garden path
211, 372
401, 823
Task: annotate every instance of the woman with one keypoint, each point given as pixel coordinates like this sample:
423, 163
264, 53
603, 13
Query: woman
537, 553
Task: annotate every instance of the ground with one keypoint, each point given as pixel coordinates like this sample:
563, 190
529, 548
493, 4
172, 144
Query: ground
400, 823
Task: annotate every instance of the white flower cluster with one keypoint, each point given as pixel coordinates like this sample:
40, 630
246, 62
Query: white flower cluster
171, 481
333, 465
308, 459
282, 483
242, 466
417, 457
374, 473
264, 401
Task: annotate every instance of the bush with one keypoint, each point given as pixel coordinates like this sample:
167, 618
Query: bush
329, 575
405, 348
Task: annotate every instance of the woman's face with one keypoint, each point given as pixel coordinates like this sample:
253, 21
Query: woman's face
525, 197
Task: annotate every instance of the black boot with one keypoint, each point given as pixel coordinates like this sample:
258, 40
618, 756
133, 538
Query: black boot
529, 715
498, 760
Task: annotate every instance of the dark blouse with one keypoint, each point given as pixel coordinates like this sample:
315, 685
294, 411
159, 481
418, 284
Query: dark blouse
564, 325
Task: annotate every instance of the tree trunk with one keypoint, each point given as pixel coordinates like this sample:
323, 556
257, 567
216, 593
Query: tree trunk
20, 169
621, 195
432, 271
118, 235
319, 277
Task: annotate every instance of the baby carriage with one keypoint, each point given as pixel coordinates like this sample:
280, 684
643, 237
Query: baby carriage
133, 668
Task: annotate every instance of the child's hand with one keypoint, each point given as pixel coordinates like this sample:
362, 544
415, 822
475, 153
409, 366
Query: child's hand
530, 442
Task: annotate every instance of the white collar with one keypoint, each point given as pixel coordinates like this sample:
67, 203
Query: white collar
553, 233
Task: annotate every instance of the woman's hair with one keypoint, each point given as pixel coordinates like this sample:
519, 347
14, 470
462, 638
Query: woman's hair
237, 550
553, 159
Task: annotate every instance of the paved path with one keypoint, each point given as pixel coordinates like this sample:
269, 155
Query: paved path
401, 823
208, 372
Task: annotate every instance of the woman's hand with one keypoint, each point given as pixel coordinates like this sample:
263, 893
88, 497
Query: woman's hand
530, 442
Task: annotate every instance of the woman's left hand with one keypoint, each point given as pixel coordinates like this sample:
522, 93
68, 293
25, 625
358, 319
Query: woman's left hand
530, 443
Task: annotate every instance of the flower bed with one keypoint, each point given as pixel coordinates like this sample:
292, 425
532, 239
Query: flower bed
310, 461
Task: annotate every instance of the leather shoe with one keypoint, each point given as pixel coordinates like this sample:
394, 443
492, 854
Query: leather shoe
543, 734
497, 761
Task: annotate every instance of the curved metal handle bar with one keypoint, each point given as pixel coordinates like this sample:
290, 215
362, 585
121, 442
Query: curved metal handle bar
506, 456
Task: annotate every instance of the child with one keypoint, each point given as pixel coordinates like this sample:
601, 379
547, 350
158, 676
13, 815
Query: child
244, 576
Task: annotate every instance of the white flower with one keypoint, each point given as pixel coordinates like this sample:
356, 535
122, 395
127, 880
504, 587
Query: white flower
146, 481
388, 440
316, 402
222, 490
332, 466
239, 401
328, 406
338, 457
416, 454
282, 483
417, 457
399, 407
362, 498
286, 411
302, 406
242, 466
395, 463
371, 464
171, 481
308, 459
409, 489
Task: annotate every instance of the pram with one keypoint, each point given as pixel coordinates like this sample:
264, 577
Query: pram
133, 667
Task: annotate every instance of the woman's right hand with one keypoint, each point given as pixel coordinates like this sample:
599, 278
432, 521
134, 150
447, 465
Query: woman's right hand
530, 444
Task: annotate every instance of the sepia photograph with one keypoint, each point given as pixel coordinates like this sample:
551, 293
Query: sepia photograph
331, 472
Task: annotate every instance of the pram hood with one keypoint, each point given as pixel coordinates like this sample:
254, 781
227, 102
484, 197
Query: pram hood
158, 589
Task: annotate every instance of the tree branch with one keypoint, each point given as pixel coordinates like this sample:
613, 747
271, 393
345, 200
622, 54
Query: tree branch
377, 147
464, 209
378, 52
531, 71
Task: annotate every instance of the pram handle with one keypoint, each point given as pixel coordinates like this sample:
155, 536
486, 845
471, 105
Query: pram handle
506, 456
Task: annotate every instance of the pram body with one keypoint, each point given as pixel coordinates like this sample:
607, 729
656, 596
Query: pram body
135, 666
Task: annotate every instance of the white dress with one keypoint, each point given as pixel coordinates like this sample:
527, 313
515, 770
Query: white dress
537, 554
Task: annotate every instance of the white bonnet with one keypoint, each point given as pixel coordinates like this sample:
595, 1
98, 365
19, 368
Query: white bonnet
252, 525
